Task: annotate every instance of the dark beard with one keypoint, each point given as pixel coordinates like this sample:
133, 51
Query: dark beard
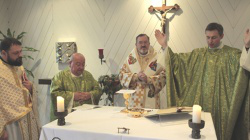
17, 62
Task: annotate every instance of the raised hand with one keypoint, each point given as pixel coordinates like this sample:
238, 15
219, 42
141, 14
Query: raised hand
247, 39
161, 38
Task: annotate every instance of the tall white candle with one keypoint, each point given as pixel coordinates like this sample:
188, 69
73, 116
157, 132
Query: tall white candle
196, 114
60, 104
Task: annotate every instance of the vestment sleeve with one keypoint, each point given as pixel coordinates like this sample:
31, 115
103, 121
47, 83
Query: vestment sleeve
57, 89
178, 69
245, 59
156, 83
95, 89
127, 78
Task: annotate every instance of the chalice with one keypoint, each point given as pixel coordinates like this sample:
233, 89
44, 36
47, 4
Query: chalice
126, 96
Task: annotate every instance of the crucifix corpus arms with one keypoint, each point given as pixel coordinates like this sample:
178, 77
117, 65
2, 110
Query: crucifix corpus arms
163, 11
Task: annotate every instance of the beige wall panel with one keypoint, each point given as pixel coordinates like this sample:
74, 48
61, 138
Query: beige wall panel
132, 23
4, 18
43, 23
80, 24
128, 42
119, 33
33, 21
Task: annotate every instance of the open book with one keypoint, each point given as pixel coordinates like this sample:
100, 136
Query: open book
169, 111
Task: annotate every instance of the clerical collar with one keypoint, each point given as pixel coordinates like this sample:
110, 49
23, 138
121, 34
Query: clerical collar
219, 47
75, 75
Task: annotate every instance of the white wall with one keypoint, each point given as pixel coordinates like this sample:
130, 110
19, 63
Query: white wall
113, 25
4, 18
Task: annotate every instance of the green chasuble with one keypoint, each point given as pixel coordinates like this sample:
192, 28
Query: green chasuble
213, 79
64, 84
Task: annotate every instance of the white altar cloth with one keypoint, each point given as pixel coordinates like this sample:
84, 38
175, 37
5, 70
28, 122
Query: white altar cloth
102, 124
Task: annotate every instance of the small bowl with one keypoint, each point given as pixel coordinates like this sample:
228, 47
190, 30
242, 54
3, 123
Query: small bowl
136, 112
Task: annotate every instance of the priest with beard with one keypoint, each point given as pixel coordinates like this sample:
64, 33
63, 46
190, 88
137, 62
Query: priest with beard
144, 72
18, 106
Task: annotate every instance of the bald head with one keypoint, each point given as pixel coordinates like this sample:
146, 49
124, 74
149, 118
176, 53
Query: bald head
76, 56
77, 64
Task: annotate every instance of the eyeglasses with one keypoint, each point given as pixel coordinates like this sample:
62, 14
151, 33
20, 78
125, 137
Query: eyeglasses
78, 65
143, 42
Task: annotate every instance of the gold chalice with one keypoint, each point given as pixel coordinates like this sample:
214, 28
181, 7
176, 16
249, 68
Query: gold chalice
126, 96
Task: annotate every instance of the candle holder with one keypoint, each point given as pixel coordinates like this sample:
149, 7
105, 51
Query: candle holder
196, 128
101, 55
60, 116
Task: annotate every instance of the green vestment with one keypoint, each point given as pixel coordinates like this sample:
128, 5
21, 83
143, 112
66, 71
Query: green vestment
213, 79
64, 84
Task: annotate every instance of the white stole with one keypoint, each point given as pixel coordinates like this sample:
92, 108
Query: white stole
154, 65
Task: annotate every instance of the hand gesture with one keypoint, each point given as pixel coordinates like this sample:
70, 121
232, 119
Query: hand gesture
142, 76
247, 39
26, 83
161, 38
82, 96
77, 96
86, 96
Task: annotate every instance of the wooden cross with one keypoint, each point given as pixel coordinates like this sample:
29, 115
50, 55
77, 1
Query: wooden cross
163, 11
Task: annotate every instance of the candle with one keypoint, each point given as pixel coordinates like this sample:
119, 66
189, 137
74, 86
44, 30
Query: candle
60, 104
196, 114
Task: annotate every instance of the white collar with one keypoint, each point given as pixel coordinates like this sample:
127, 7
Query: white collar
219, 47
74, 75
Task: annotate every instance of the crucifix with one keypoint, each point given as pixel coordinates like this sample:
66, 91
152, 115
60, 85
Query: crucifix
163, 11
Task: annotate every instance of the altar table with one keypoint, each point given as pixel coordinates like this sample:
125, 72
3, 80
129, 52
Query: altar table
103, 123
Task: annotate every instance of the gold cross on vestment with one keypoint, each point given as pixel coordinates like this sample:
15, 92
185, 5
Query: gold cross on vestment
140, 94
163, 11
137, 101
